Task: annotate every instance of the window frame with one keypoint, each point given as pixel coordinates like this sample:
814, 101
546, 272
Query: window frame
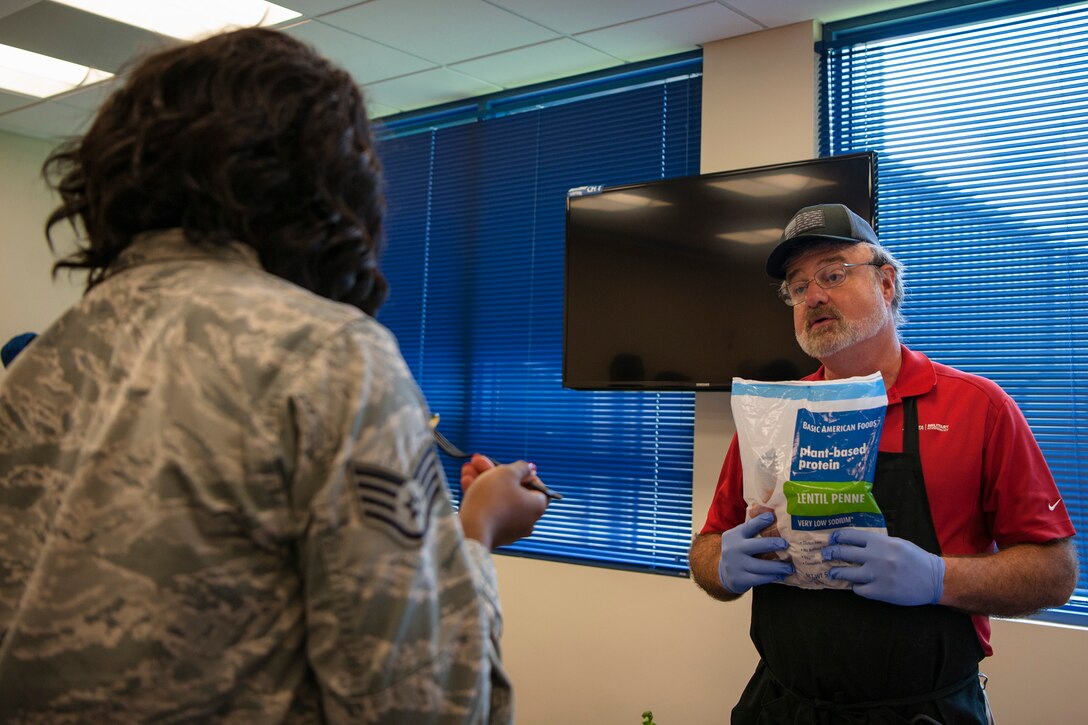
836, 128
479, 428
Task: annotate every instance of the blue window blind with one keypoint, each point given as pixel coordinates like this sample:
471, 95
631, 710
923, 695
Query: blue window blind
476, 218
979, 115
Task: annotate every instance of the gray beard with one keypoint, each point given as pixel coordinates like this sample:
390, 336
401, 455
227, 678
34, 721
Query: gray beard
836, 337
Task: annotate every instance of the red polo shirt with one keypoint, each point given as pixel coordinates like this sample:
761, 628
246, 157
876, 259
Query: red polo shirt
988, 484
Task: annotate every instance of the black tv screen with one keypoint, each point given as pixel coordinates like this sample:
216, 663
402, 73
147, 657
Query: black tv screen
666, 287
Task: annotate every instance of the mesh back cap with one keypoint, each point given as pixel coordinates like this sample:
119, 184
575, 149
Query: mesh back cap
819, 223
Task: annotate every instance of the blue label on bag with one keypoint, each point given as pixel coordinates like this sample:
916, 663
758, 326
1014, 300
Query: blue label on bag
838, 446
854, 519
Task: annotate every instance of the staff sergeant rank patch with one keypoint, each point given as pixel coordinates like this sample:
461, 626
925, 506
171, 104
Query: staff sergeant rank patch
402, 507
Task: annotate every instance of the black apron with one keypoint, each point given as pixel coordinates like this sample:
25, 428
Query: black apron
832, 656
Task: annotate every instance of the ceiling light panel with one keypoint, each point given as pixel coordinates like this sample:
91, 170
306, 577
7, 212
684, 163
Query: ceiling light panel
41, 76
186, 19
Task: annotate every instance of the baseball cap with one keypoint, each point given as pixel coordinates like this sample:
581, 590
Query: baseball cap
819, 223
14, 346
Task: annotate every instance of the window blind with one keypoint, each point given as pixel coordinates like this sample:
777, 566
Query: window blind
476, 217
978, 115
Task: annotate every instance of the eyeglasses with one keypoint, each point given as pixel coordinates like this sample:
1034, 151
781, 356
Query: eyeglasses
826, 277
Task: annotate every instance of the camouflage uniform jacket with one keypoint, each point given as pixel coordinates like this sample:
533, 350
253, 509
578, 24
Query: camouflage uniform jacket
220, 501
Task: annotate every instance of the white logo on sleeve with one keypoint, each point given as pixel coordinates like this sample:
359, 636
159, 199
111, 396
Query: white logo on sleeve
1054, 505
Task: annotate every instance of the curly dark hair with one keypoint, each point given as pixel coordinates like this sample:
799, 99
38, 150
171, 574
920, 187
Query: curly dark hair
250, 136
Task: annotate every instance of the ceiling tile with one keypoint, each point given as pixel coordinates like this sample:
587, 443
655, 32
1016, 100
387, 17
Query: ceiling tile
9, 7
366, 60
91, 97
461, 30
11, 101
314, 8
376, 110
393, 46
576, 16
670, 33
537, 63
775, 14
48, 119
428, 88
76, 36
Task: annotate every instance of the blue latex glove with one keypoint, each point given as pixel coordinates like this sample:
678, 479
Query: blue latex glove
739, 569
892, 570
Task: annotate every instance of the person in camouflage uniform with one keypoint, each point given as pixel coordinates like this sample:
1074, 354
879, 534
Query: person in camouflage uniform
219, 497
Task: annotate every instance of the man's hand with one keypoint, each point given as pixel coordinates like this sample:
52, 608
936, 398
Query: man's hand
739, 568
892, 570
496, 509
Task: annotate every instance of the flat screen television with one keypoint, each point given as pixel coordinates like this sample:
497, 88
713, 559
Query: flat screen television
665, 285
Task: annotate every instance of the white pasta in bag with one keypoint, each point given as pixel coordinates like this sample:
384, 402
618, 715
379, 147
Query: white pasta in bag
808, 453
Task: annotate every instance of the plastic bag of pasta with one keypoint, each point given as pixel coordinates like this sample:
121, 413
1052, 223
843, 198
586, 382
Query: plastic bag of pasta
808, 452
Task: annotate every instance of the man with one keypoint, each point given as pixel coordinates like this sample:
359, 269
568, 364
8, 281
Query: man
219, 495
976, 526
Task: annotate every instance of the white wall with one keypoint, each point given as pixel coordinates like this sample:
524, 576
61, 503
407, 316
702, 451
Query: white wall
591, 645
29, 298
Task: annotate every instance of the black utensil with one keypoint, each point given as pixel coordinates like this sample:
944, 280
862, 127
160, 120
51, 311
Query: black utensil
447, 447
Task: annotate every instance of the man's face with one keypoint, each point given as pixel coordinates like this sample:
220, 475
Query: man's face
829, 321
